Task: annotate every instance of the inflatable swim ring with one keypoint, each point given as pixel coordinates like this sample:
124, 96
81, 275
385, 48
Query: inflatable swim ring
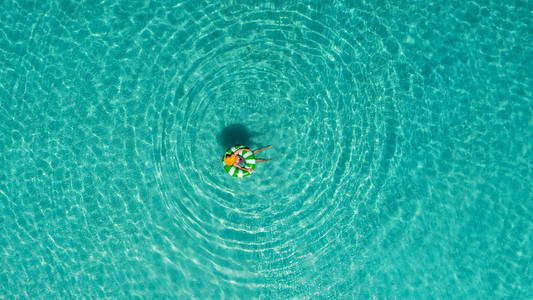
249, 160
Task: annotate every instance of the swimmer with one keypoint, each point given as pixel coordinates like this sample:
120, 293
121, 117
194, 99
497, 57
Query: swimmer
236, 160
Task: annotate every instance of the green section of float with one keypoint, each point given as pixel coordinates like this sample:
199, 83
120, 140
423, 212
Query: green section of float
249, 160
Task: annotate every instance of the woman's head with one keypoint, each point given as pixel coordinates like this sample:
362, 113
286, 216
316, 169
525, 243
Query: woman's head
229, 159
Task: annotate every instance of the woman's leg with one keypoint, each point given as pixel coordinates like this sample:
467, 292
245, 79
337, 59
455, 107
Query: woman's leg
255, 151
262, 160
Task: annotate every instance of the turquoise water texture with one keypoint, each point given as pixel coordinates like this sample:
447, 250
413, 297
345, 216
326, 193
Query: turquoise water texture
402, 142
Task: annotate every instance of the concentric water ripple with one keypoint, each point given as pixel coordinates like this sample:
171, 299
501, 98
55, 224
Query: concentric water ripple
299, 84
401, 136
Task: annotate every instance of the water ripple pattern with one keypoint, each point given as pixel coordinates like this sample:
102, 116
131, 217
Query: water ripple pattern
293, 80
401, 150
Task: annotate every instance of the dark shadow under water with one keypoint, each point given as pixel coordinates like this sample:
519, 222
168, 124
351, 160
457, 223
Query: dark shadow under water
236, 134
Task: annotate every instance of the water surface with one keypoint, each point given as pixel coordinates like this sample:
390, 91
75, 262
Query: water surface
402, 149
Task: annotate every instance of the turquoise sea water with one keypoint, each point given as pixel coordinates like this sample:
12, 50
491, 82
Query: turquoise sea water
402, 138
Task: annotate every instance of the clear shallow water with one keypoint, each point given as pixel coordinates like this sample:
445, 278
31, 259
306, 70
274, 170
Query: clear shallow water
402, 145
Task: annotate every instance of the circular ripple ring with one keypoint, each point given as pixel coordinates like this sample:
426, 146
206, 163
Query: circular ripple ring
256, 64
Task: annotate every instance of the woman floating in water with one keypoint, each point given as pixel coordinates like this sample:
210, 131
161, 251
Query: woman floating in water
240, 161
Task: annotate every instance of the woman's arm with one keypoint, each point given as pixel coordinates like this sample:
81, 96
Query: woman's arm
240, 150
244, 169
